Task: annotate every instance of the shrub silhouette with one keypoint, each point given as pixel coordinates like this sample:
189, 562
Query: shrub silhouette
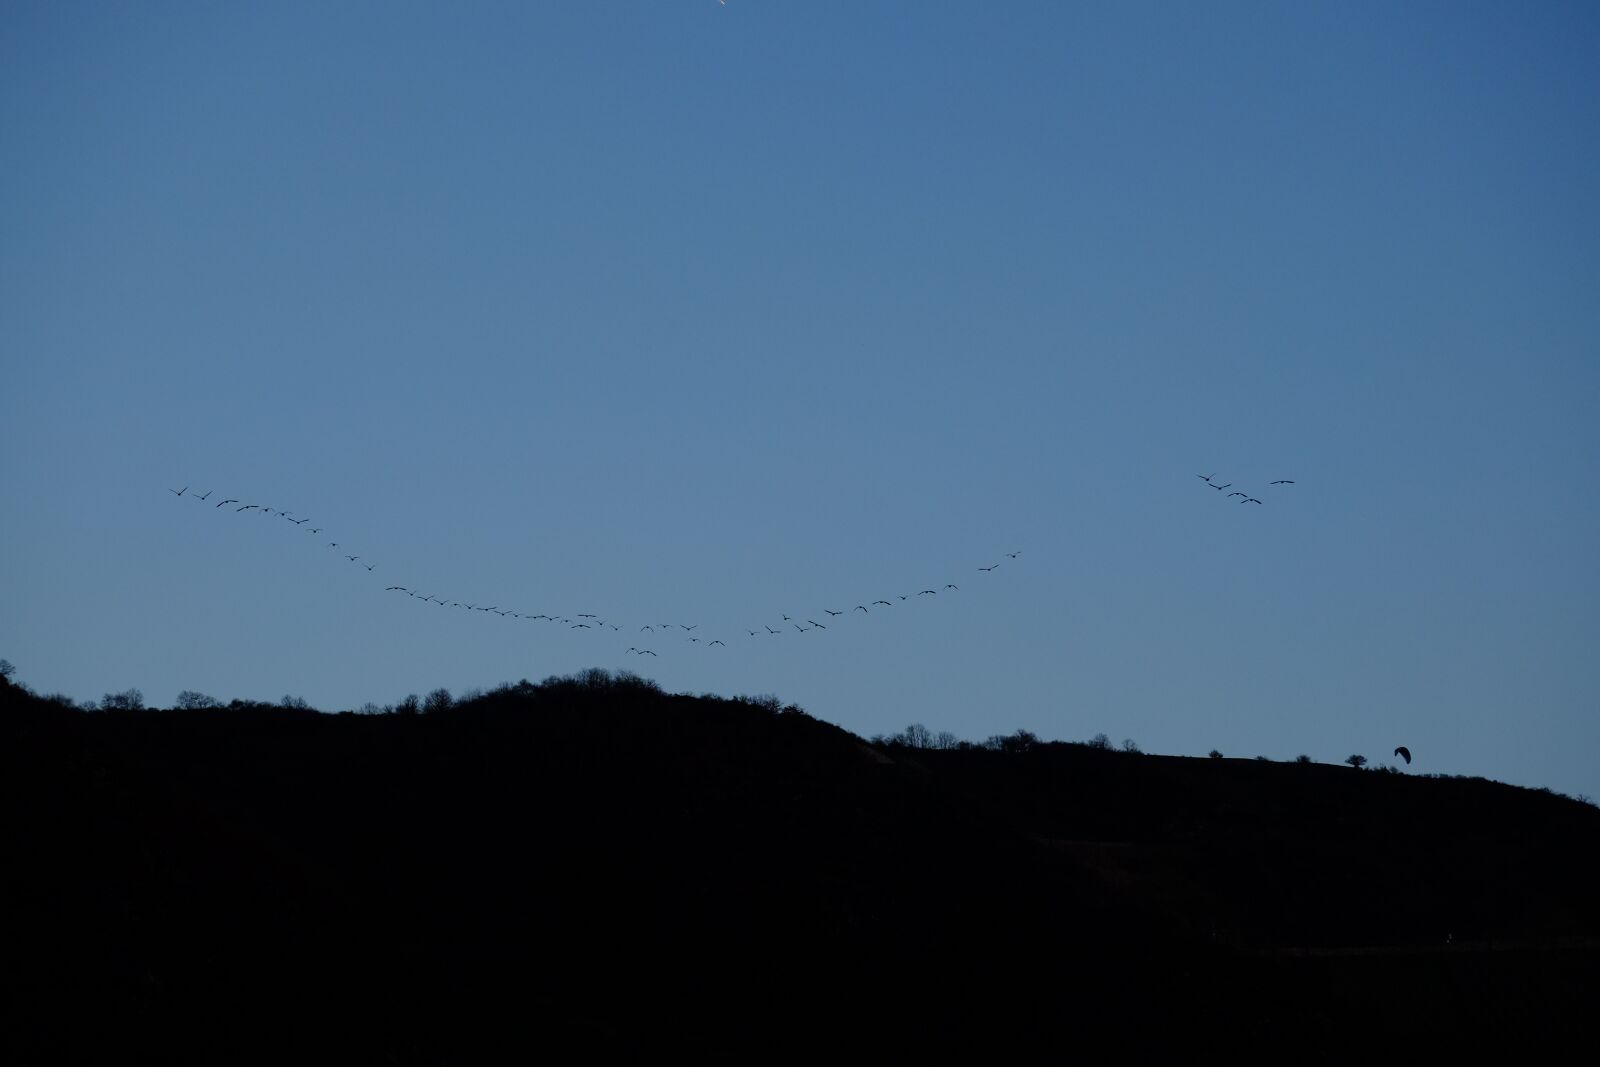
1356, 761
1215, 754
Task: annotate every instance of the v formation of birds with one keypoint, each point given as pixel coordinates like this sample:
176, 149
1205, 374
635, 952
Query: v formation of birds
682, 633
659, 630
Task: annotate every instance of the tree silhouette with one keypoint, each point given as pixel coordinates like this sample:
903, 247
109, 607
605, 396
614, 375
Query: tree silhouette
1357, 762
190, 700
127, 700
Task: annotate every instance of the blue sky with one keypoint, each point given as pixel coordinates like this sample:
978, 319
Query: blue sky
701, 313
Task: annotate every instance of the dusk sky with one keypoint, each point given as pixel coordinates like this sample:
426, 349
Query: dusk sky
677, 311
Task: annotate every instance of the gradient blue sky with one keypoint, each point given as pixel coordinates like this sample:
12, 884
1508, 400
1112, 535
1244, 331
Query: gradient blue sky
703, 313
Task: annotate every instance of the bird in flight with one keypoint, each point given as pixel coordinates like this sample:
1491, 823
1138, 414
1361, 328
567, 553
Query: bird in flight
235, 500
202, 496
817, 624
247, 507
724, 644
370, 566
352, 559
178, 492
770, 630
1281, 481
885, 603
1205, 477
696, 626
797, 626
988, 568
952, 585
830, 611
861, 608
1014, 555
646, 652
1237, 493
402, 588
927, 592
1221, 487
1249, 500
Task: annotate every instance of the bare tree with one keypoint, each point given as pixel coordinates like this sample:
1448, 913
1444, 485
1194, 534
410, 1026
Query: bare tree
127, 700
190, 700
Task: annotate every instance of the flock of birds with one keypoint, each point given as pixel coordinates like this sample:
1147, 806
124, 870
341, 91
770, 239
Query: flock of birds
682, 633
690, 634
1246, 498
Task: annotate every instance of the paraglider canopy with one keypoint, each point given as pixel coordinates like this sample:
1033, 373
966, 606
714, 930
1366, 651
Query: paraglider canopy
1404, 753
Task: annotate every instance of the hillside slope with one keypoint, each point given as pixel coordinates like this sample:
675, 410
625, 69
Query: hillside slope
595, 864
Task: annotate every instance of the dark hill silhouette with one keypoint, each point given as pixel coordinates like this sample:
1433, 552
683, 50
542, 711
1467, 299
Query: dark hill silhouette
592, 864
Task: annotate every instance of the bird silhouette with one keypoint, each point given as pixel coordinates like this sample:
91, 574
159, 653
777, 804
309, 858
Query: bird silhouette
817, 624
927, 592
722, 643
1219, 488
770, 630
352, 559
1014, 555
1237, 493
203, 495
885, 603
247, 507
988, 568
370, 566
861, 608
952, 585
1281, 481
1205, 477
402, 588
235, 500
830, 611
1249, 500
178, 492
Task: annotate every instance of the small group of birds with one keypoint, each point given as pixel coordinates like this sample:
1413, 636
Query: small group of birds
591, 621
1246, 498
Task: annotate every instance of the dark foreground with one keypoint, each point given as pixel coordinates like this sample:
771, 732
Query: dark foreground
600, 869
